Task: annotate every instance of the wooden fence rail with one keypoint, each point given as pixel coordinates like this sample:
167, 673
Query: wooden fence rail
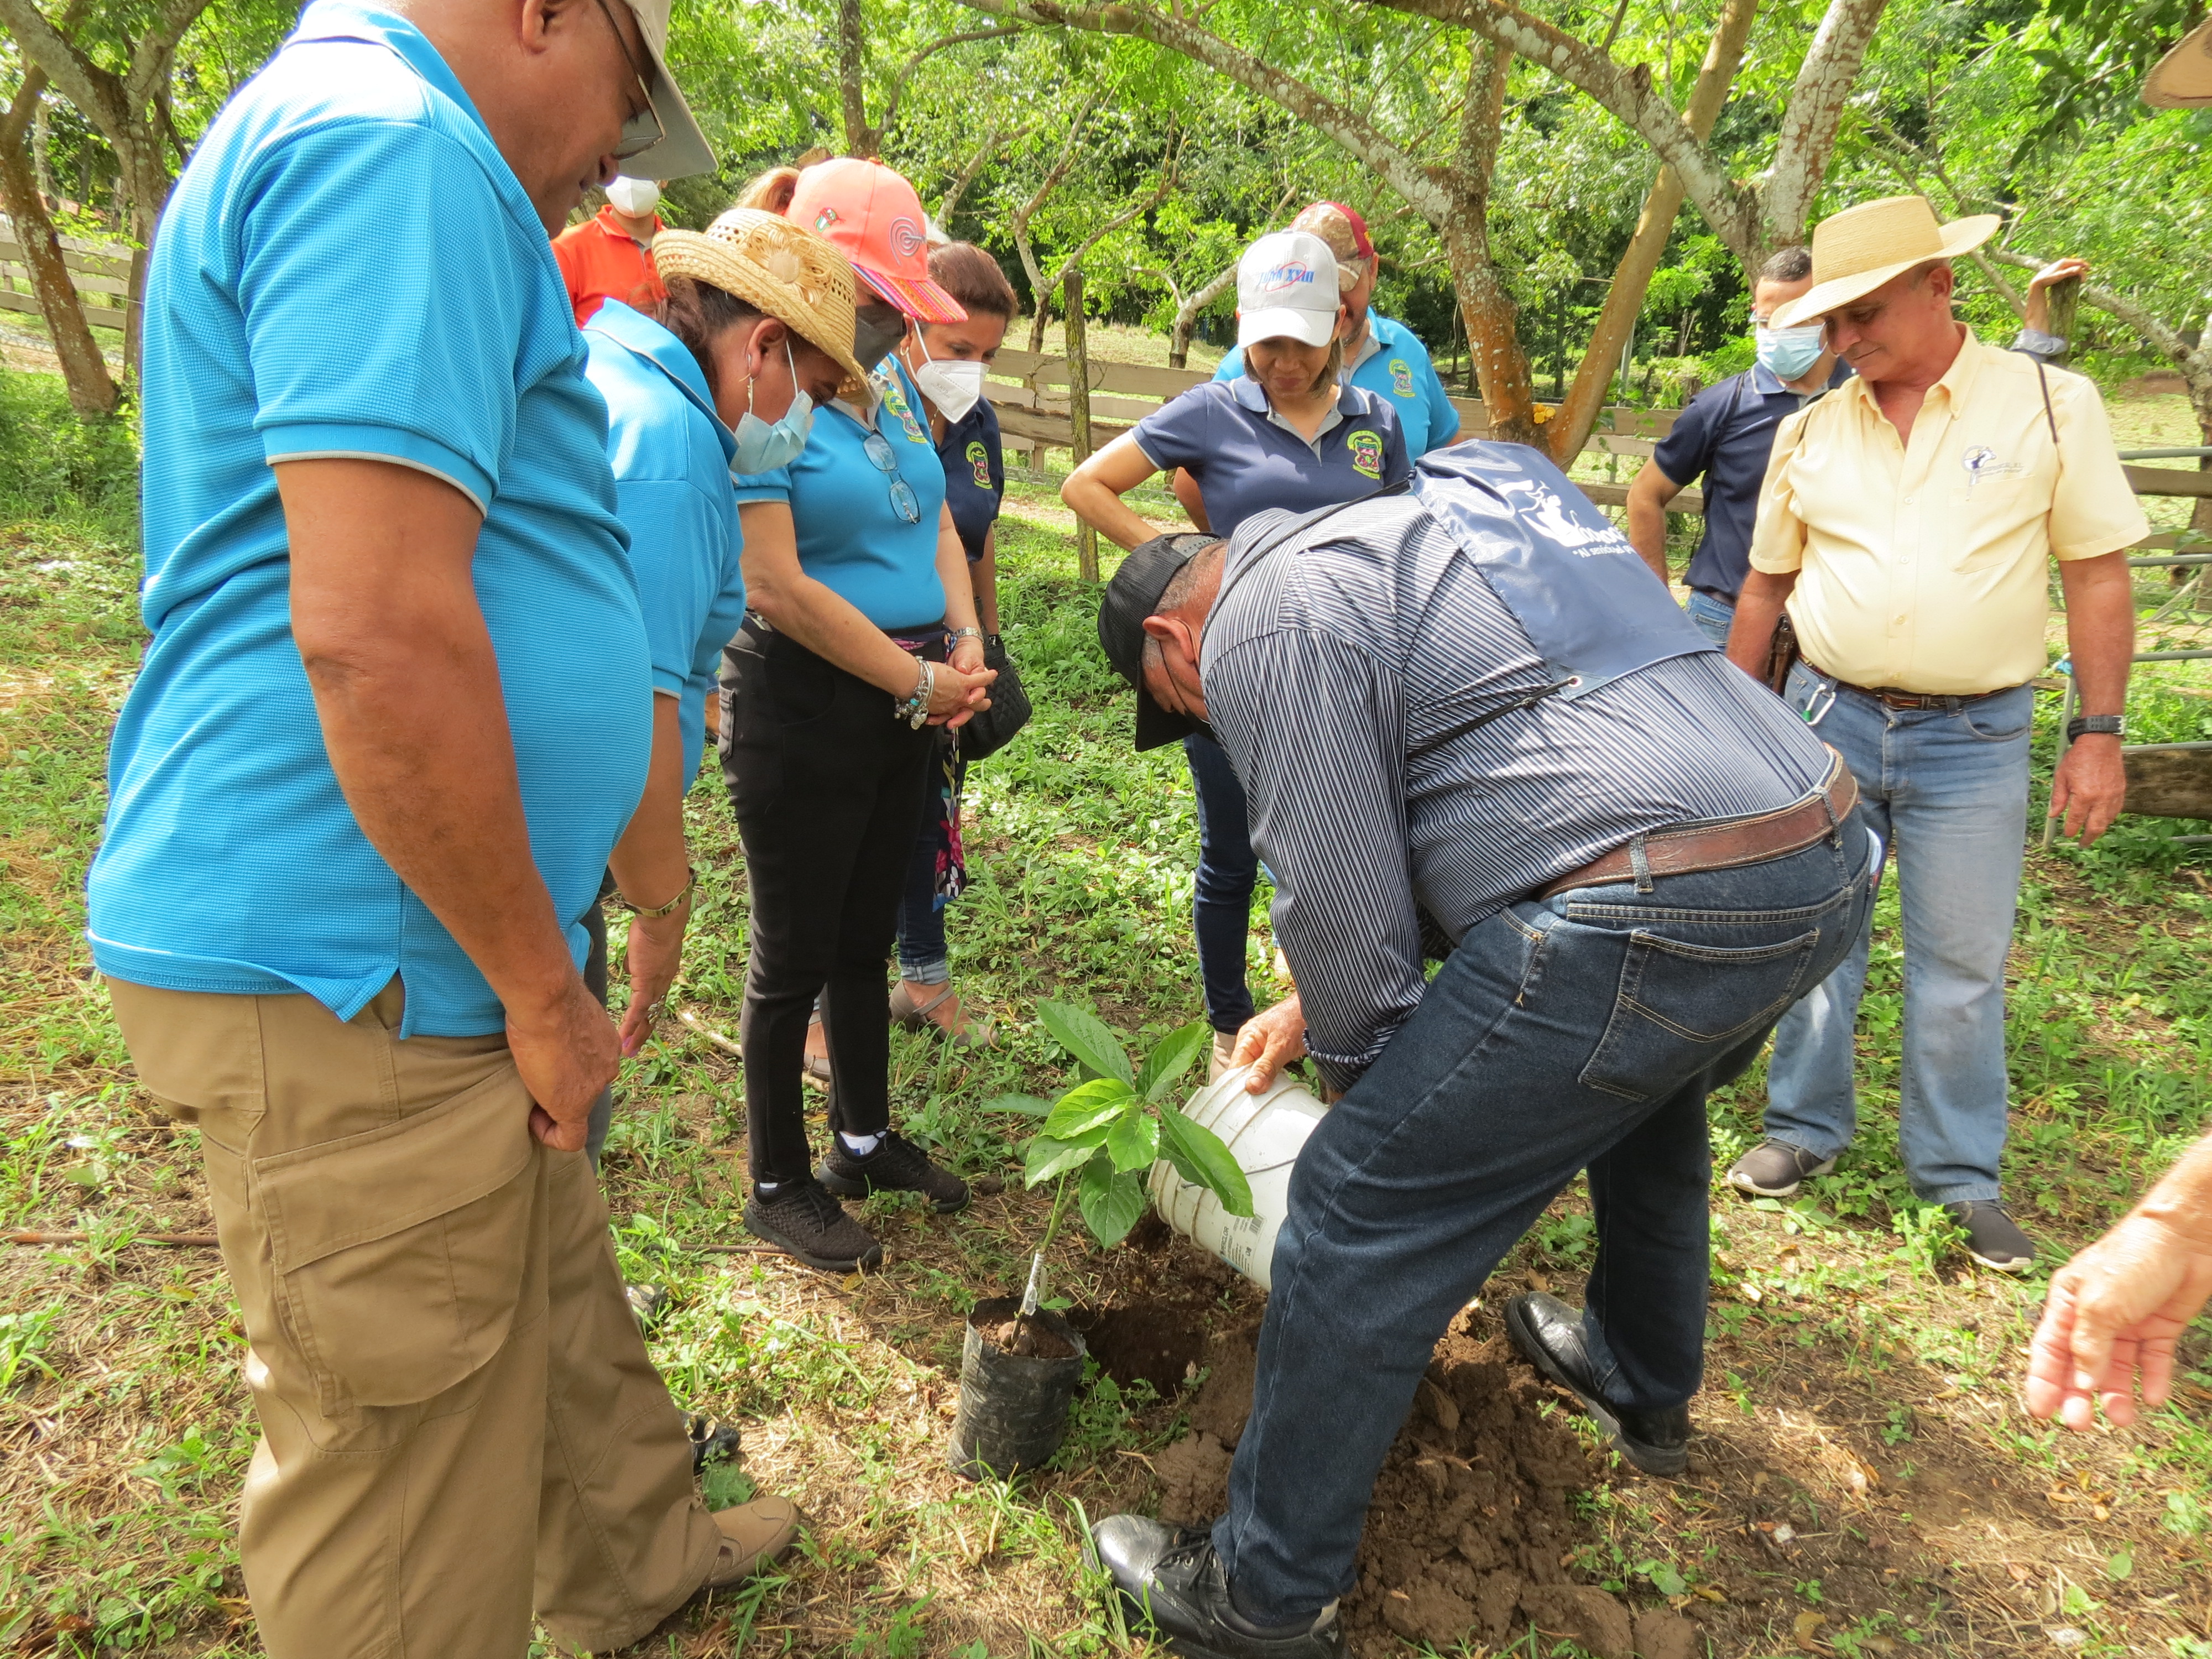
100, 271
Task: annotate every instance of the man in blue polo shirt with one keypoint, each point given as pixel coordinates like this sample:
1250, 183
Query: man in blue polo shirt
1385, 356
1725, 436
394, 713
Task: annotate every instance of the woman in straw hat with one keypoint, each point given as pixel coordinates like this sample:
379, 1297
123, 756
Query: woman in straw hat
757, 329
863, 635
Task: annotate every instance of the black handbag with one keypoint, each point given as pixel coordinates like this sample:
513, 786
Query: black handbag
994, 728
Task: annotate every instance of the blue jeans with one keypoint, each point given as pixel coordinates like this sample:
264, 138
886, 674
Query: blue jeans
1713, 614
1228, 871
1583, 1031
1947, 791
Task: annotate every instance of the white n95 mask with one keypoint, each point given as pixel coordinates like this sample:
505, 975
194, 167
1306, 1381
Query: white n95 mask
954, 387
635, 197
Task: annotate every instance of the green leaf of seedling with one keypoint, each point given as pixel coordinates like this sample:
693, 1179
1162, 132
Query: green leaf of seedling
1087, 1106
1082, 1034
1048, 1157
1204, 1158
1134, 1141
1663, 1577
1112, 1200
1164, 1067
1027, 1105
2120, 1563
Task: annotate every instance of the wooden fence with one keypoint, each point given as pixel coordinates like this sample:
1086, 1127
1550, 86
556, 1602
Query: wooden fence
100, 271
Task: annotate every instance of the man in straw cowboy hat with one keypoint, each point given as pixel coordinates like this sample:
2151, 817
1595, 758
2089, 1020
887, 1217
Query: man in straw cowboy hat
394, 713
1904, 523
2116, 1309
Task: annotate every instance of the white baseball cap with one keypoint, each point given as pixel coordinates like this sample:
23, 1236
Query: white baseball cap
1287, 285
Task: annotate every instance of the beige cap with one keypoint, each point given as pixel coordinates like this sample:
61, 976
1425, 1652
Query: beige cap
1856, 251
1345, 233
784, 269
683, 149
2183, 79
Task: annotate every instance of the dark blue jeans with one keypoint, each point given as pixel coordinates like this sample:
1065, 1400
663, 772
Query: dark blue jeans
1583, 1031
1228, 870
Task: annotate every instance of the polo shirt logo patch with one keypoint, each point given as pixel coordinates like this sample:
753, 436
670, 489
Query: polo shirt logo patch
1290, 274
1366, 449
1401, 377
980, 459
895, 401
1981, 462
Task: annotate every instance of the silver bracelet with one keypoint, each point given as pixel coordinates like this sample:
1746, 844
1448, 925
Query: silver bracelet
915, 709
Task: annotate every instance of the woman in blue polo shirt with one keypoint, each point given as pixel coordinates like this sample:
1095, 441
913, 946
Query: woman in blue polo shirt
1287, 434
857, 581
738, 347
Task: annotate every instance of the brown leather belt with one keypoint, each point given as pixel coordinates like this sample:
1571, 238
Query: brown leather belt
1890, 696
1722, 846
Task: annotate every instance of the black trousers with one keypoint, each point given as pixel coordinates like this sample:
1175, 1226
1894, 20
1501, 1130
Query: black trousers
827, 789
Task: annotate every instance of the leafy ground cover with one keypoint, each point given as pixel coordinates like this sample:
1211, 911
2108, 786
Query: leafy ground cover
1864, 1483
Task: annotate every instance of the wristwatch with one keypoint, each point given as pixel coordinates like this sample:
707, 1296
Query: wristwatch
2111, 725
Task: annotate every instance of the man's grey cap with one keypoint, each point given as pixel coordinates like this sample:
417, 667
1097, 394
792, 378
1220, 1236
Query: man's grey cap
1131, 596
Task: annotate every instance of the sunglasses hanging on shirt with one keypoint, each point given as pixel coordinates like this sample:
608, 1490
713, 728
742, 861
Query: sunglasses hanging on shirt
885, 458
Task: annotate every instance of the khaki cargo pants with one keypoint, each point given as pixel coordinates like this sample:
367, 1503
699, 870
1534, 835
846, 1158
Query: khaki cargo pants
460, 1424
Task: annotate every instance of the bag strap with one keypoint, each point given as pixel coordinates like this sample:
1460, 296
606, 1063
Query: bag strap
2044, 380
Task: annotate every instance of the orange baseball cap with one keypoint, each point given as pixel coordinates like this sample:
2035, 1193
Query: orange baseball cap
875, 220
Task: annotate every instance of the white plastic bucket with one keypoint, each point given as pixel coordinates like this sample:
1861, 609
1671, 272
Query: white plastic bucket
1264, 1134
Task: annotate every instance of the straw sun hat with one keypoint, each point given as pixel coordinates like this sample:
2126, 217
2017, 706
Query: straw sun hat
784, 269
1856, 251
2183, 79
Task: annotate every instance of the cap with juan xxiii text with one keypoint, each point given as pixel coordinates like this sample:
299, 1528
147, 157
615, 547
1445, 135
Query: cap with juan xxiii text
1131, 596
683, 149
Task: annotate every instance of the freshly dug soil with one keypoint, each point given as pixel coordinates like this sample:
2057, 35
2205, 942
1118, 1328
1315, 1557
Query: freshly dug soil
1469, 1522
1146, 1342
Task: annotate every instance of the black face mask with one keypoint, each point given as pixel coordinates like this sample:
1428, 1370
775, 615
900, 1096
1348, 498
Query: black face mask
876, 329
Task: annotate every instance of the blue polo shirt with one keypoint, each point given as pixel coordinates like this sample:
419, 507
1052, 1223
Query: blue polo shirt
671, 460
348, 268
1246, 457
1724, 436
1393, 364
975, 474
850, 536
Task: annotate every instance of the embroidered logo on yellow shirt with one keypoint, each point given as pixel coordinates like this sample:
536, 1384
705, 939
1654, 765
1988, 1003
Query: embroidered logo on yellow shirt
980, 459
1981, 463
1366, 449
1401, 377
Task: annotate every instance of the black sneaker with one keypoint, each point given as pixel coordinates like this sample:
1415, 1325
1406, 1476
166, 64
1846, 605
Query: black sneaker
896, 1165
649, 1302
1993, 1239
1773, 1169
1549, 1335
1173, 1580
712, 1441
813, 1226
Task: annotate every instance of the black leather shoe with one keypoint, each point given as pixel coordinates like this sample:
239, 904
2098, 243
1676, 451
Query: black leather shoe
1172, 1581
1549, 1335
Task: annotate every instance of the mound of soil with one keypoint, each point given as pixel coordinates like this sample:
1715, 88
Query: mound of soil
1469, 1524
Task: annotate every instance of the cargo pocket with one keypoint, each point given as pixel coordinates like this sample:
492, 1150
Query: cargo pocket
1682, 1005
400, 1254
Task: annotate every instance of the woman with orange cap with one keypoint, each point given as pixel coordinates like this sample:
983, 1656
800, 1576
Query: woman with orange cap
862, 635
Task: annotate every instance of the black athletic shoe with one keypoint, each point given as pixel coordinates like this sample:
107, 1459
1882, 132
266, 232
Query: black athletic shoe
896, 1165
712, 1441
813, 1226
1173, 1580
1549, 1335
1993, 1239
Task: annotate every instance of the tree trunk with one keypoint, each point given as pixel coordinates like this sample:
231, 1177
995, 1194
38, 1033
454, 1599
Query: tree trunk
1509, 396
851, 87
1188, 312
92, 390
1631, 279
1079, 418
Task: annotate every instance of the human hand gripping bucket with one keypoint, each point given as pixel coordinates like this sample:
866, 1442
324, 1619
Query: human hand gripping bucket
1264, 1134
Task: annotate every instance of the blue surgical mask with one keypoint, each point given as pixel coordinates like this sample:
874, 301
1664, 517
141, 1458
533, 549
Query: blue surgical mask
1789, 352
762, 447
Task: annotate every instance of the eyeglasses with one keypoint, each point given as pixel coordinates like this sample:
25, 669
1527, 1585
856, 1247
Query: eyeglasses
885, 459
642, 130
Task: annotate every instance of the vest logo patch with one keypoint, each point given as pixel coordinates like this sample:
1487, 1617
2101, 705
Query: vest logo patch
980, 459
1366, 449
1401, 377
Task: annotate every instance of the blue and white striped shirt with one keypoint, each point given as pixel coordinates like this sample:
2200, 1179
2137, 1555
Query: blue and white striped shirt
1341, 673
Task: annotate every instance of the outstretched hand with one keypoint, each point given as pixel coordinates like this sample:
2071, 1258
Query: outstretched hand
2113, 1315
1269, 1041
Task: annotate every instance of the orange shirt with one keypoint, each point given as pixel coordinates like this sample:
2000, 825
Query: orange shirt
599, 261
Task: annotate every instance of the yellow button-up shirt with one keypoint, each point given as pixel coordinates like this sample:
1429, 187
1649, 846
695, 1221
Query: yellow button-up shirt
1920, 565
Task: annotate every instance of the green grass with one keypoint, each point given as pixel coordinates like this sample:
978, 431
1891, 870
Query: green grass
124, 1428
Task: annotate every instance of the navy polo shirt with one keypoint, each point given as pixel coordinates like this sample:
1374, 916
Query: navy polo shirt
347, 267
1247, 458
1724, 436
975, 474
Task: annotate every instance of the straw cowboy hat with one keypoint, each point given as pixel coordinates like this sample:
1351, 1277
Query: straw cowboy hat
783, 270
1856, 251
2183, 79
